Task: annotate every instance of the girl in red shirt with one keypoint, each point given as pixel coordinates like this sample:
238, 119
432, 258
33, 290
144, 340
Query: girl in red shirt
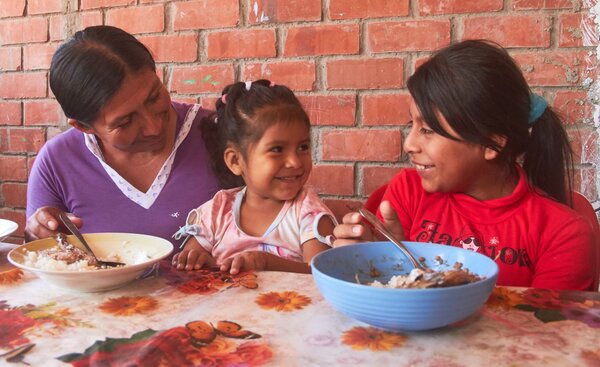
491, 172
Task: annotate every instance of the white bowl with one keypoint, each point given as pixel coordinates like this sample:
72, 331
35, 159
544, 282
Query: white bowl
7, 227
131, 248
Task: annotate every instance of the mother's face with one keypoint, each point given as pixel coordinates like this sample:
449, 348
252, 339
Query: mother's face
137, 118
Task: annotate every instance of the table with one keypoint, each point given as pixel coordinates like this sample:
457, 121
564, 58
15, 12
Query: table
276, 319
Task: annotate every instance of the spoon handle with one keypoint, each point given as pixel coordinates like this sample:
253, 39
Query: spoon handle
372, 219
73, 229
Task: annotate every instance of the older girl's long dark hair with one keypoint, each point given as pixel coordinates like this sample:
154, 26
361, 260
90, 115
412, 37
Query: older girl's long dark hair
482, 93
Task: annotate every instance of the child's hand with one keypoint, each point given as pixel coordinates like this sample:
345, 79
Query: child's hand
193, 257
253, 260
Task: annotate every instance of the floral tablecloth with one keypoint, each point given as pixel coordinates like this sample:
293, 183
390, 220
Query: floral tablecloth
275, 319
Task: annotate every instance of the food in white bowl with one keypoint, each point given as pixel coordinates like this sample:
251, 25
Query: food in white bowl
137, 251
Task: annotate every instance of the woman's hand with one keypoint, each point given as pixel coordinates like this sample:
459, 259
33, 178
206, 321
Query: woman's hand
353, 229
44, 223
192, 257
252, 260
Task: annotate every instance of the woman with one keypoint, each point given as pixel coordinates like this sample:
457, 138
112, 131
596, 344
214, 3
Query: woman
134, 161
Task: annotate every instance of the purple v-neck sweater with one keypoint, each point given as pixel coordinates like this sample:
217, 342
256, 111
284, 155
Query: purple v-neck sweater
66, 175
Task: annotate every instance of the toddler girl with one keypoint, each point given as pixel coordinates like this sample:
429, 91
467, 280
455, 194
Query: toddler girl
261, 135
491, 172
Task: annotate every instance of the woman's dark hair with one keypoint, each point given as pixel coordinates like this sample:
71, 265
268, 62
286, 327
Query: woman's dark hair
242, 114
481, 92
89, 68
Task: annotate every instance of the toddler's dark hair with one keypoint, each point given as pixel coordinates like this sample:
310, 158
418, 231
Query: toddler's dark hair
482, 93
242, 115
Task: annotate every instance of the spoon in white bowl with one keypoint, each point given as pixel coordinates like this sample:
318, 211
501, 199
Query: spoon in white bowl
71, 227
374, 221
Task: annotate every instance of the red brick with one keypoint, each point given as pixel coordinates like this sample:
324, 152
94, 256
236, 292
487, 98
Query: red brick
297, 75
139, 19
351, 9
25, 30
166, 48
242, 43
42, 112
38, 55
542, 4
584, 142
333, 180
13, 168
510, 31
17, 216
44, 6
436, 7
362, 145
23, 85
376, 176
89, 18
10, 113
576, 30
205, 14
3, 139
57, 27
386, 109
340, 207
201, 79
14, 195
365, 74
337, 110
281, 11
12, 8
92, 4
573, 106
553, 68
22, 140
10, 58
419, 35
317, 40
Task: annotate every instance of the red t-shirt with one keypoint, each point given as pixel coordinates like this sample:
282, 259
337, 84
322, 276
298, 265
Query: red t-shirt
536, 241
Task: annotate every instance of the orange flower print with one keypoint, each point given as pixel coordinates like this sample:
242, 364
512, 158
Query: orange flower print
127, 306
219, 347
10, 276
504, 298
283, 301
361, 338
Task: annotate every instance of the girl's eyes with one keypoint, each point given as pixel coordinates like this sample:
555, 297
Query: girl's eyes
276, 150
422, 130
154, 97
304, 147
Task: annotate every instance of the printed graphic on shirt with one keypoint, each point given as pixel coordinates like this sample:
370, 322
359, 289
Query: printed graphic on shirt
471, 239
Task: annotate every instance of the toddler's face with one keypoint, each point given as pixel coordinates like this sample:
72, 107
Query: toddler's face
278, 165
446, 165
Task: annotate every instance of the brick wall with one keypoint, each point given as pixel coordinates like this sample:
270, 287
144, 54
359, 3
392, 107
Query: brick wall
348, 60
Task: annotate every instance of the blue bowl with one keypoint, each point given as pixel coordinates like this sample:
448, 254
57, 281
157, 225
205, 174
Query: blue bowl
336, 271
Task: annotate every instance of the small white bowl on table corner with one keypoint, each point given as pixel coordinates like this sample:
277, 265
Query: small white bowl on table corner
137, 251
335, 272
7, 227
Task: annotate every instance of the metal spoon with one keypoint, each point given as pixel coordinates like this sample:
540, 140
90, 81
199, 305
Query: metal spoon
71, 227
374, 221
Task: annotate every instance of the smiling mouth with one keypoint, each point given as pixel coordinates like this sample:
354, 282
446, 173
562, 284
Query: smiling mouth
289, 178
422, 167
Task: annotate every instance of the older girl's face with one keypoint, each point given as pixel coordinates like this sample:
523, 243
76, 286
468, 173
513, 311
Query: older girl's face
446, 165
137, 118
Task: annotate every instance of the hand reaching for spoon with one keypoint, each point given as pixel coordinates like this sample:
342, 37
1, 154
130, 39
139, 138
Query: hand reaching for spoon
353, 229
